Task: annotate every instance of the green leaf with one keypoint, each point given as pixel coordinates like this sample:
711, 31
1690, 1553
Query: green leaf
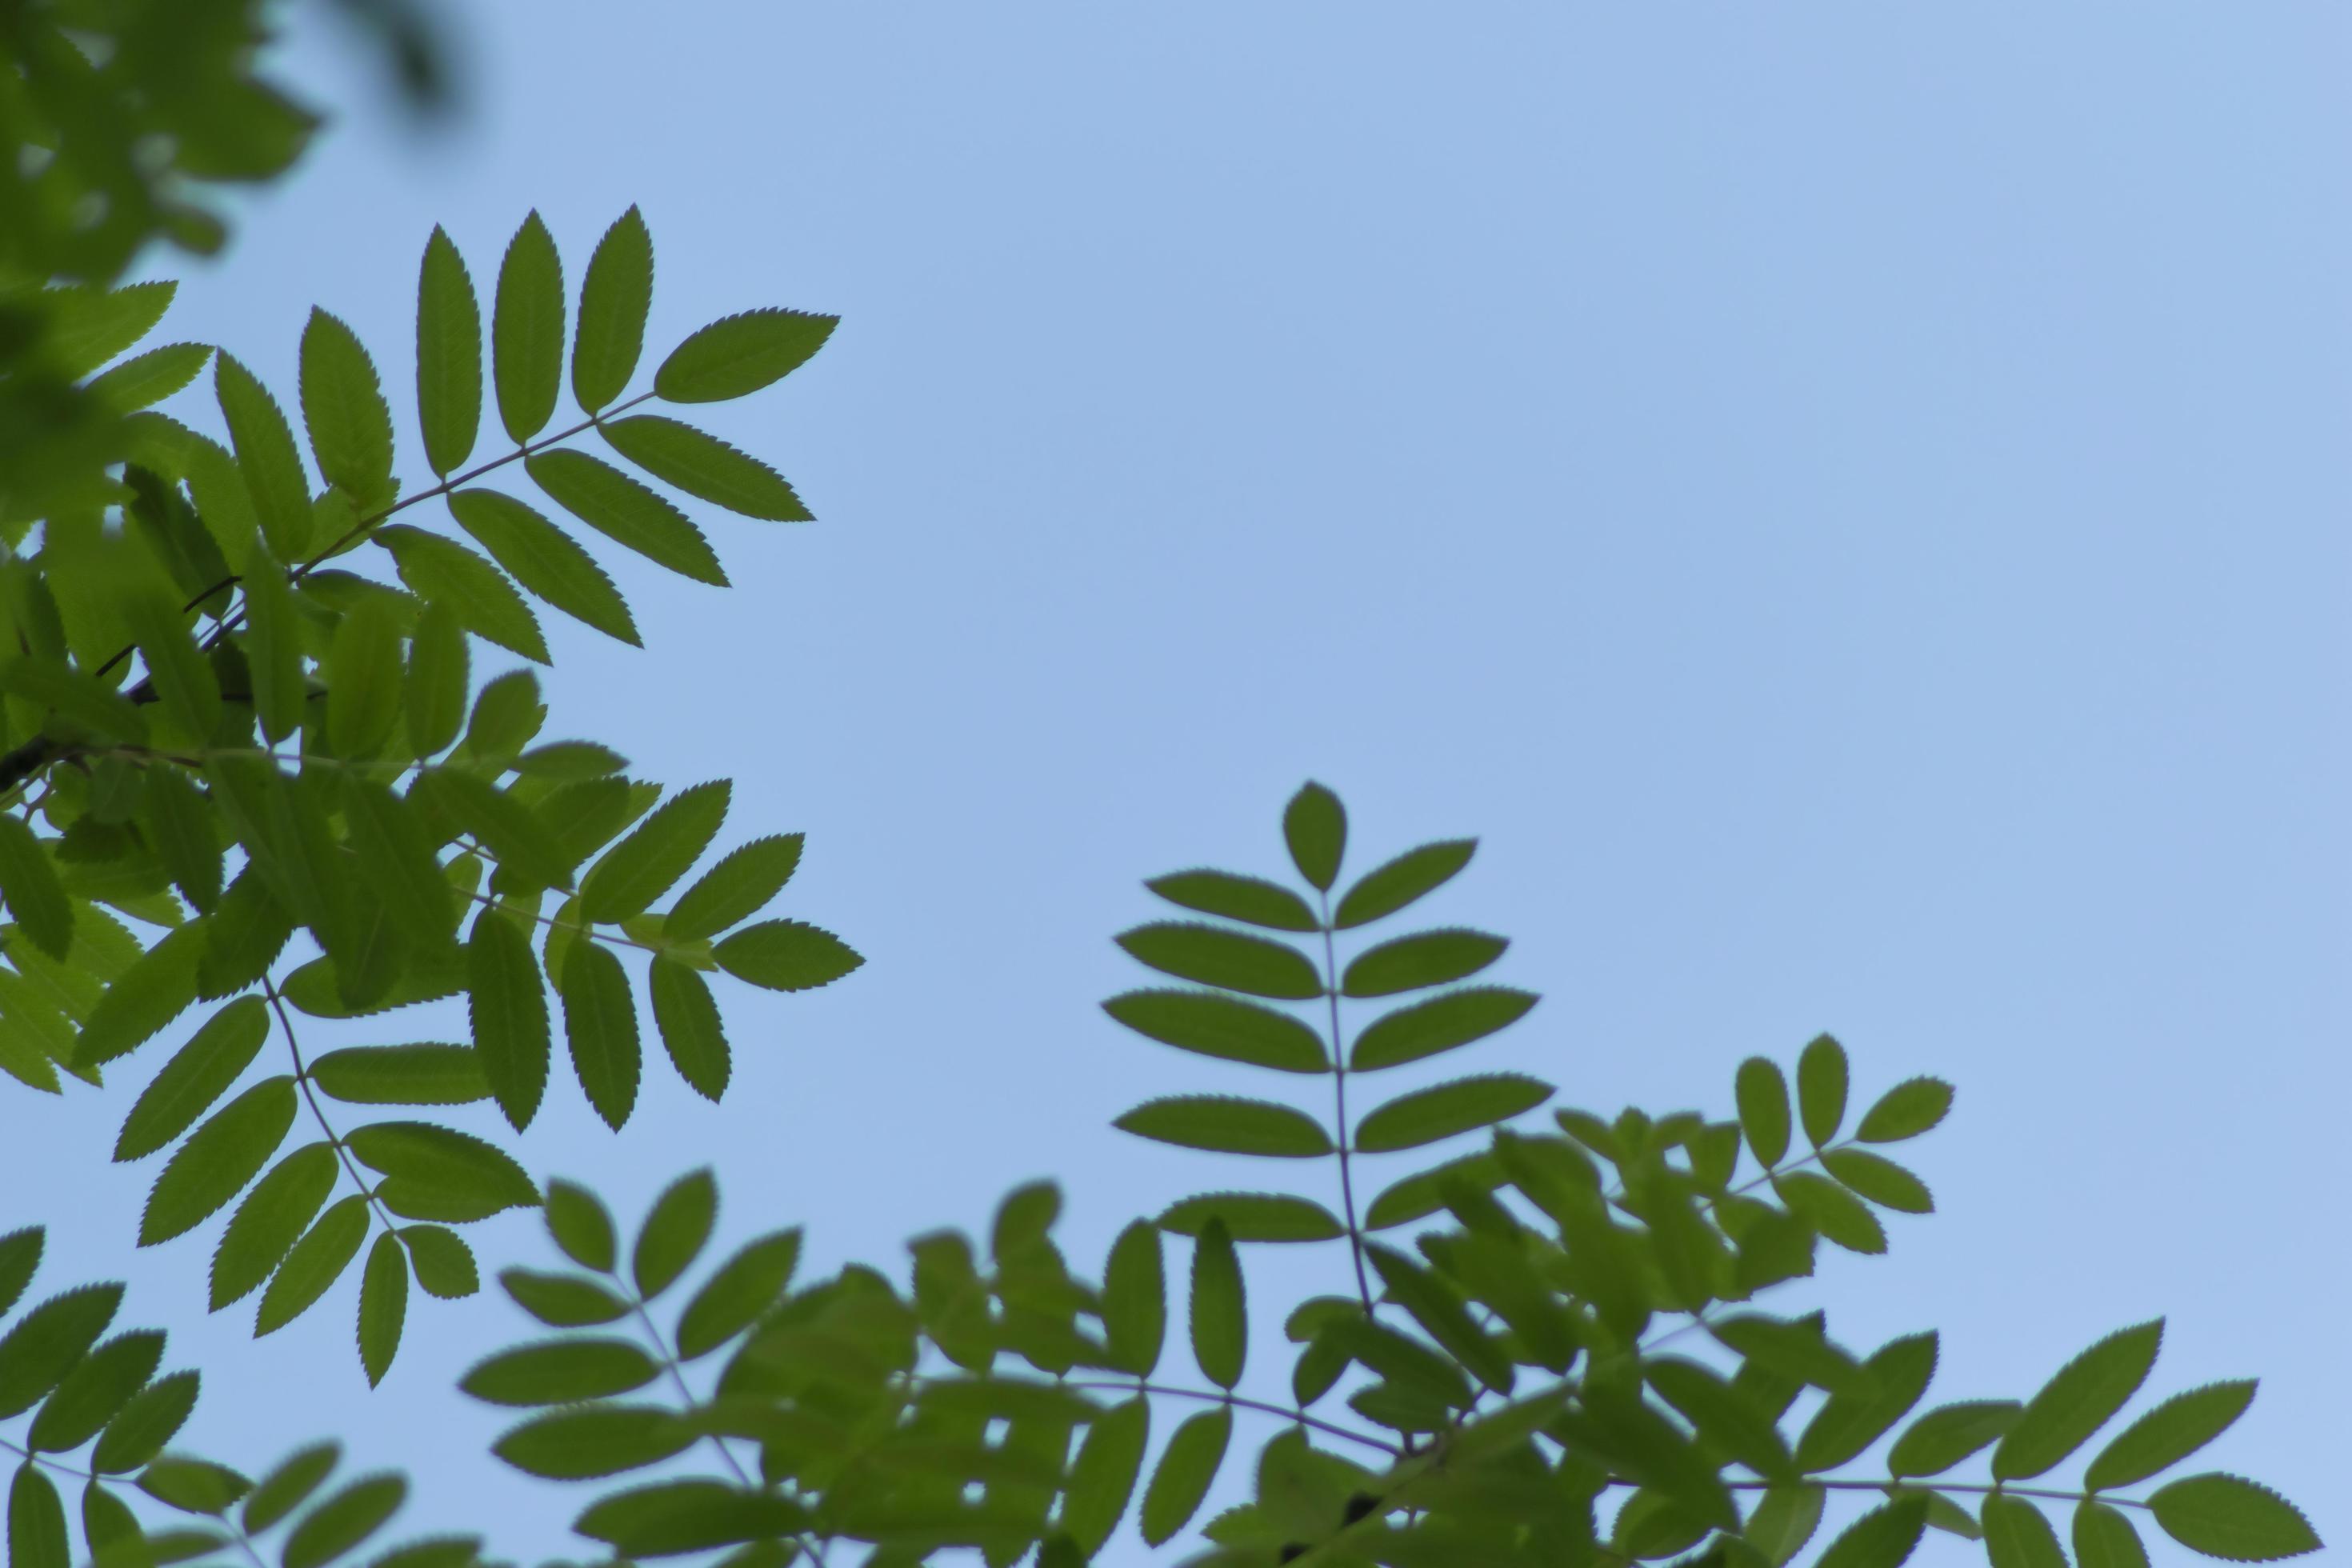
735, 888
507, 1006
1249, 899
46, 1342
397, 860
343, 1520
199, 1074
73, 695
1949, 1433
561, 1371
670, 1518
527, 330
2103, 1538
1829, 1208
598, 1440
95, 1391
148, 1421
1784, 1521
571, 761
600, 1026
522, 844
448, 356
444, 1263
1220, 1315
147, 379
433, 695
270, 1220
20, 1256
2167, 1434
1763, 1095
1210, 955
273, 652
1442, 1024
2232, 1519
1412, 875
1723, 1416
181, 677
363, 670
1797, 1351
1315, 828
737, 1293
1187, 1468
545, 559
690, 1027
625, 511
1223, 1027
28, 880
1821, 1088
36, 1522
401, 1074
507, 714
740, 354
674, 1233
267, 456
2017, 1536
344, 407
562, 1300
316, 1261
1135, 1300
1425, 1192
157, 988
706, 467
1884, 1538
383, 1306
1102, 1478
218, 1159
1848, 1422
185, 832
438, 1158
1909, 1109
2077, 1402
786, 955
1229, 1125
192, 1485
284, 1488
442, 571
1427, 1115
438, 1552
580, 1225
615, 297
1434, 1305
1254, 1216
1880, 1180
1412, 962
642, 866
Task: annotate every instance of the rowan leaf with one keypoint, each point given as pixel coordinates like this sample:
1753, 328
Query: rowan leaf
95, 1391
1762, 1092
786, 955
740, 354
218, 1161
2167, 1434
705, 467
545, 559
265, 456
1909, 1109
362, 671
632, 874
344, 410
2103, 1538
594, 1440
1187, 1469
1254, 1216
433, 692
1412, 876
1425, 1116
2076, 1401
674, 1233
625, 511
1880, 1180
1219, 1315
507, 1008
600, 1027
1102, 1478
343, 1520
46, 1342
444, 1264
527, 330
561, 1371
199, 1074
1222, 1027
270, 1220
2231, 1518
1821, 1076
383, 1306
691, 1030
36, 1522
615, 297
738, 1293
448, 356
401, 1074
443, 572
1228, 1125
1251, 899
1135, 1300
147, 1422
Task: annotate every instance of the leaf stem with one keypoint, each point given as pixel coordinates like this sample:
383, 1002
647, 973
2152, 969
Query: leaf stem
1985, 1488
1221, 1396
1340, 1096
318, 1112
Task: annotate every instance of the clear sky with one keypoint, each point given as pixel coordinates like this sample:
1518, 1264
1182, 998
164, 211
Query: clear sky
1846, 503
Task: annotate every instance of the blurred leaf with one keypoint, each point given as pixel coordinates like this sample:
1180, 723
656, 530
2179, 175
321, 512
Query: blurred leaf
1187, 1468
561, 1371
1219, 1316
670, 1518
563, 1301
1102, 1478
737, 1293
151, 377
595, 1440
674, 1233
1846, 1424
1763, 1095
283, 1489
1821, 1088
218, 1159
1254, 1216
342, 1520
580, 1225
1907, 1110
192, 1485
1881, 1181
1315, 827
1832, 1210
433, 696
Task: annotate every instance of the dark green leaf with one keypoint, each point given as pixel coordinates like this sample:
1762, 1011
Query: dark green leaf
507, 1003
2103, 1538
45, 1344
1222, 1026
396, 857
625, 511
562, 1300
192, 1485
1907, 1110
2231, 1518
265, 456
448, 356
1389, 888
786, 955
1187, 1468
2016, 1535
737, 888
1220, 1316
29, 882
615, 299
436, 1157
600, 1026
1763, 1095
674, 1233
1212, 956
433, 695
36, 1522
642, 866
181, 675
218, 1159
282, 1489
737, 1293
523, 846
148, 1421
1412, 962
443, 572
1724, 1414
1849, 1422
1135, 1300
704, 466
670, 1518
527, 330
2077, 1402
1434, 1305
1427, 1115
1254, 1216
342, 1519
344, 407
316, 1261
2167, 1434
95, 1391
1441, 1023
1102, 1478
1228, 1125
1881, 1181
740, 354
270, 1221
545, 559
1248, 899
383, 1306
274, 652
599, 1440
20, 1256
690, 1027
580, 1225
444, 1263
197, 1076
571, 761
1315, 827
1784, 1521
1832, 1210
561, 1371
1425, 1192
1795, 1349
1949, 1433
1884, 1538
1821, 1088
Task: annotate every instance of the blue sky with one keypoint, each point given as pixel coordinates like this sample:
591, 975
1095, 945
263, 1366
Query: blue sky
1845, 501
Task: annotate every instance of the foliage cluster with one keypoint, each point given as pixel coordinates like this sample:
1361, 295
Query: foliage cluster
256, 771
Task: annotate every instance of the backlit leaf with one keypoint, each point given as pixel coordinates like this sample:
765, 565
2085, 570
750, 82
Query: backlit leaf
545, 559
1412, 875
1222, 1026
36, 1522
218, 1161
1412, 962
265, 456
181, 825
433, 693
1254, 1216
383, 1306
98, 1387
704, 466
2076, 1401
562, 1300
147, 379
527, 330
1248, 899
1884, 1538
561, 1371
1846, 1424
786, 955
438, 1157
524, 847
2017, 1536
2167, 1434
1909, 1109
199, 1073
2231, 1518
1102, 1478
1763, 1095
46, 1342
1950, 1433
1830, 1209
1219, 1316
1315, 827
1821, 1088
1187, 1468
73, 695
316, 1262
342, 1520
625, 511
615, 299
740, 354
594, 1440
1229, 1125
448, 356
642, 866
343, 407
270, 1220
580, 1225
181, 677
401, 1074
28, 880
691, 1030
737, 1293
443, 572
2103, 1538
274, 652
1427, 1115
153, 1416
1210, 955
674, 1233
507, 1006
